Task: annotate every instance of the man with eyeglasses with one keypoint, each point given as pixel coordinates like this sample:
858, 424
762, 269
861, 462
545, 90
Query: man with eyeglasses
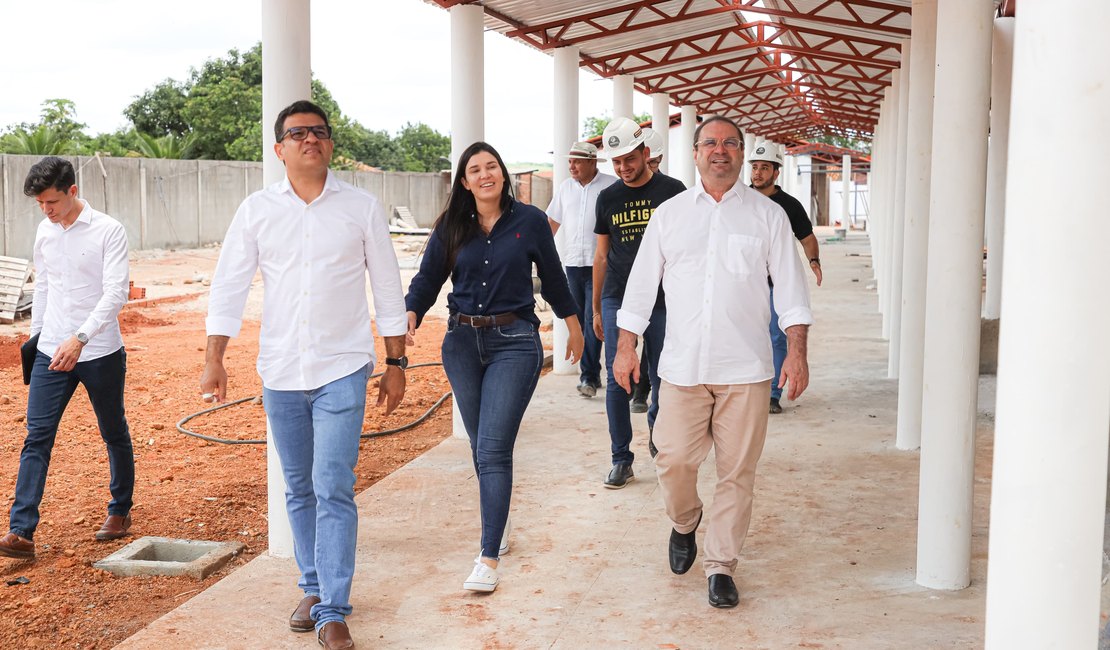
623, 211
713, 247
314, 238
766, 161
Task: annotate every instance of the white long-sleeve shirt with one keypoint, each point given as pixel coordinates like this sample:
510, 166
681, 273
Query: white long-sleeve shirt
574, 208
81, 283
314, 259
714, 260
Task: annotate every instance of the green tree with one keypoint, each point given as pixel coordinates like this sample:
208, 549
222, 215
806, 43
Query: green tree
158, 111
42, 141
167, 146
595, 125
424, 149
61, 116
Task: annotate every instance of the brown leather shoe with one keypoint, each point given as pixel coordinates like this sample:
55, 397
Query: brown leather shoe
115, 526
13, 545
335, 636
301, 620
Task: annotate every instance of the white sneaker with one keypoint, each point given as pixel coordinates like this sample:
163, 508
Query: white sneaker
482, 578
505, 538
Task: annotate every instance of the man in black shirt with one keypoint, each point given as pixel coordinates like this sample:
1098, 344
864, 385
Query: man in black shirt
766, 161
623, 211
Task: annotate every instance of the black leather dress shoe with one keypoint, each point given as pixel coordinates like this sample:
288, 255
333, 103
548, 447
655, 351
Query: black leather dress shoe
619, 476
722, 591
652, 449
683, 549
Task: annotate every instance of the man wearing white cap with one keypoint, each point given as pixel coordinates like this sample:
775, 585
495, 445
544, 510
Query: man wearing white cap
655, 143
623, 211
766, 161
574, 206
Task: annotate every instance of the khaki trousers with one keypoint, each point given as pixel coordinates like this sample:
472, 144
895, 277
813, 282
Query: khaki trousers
731, 419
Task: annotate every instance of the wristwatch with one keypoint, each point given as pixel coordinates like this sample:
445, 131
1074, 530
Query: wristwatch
82, 338
402, 362
815, 260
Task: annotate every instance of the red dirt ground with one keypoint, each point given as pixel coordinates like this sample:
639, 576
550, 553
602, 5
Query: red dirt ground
185, 487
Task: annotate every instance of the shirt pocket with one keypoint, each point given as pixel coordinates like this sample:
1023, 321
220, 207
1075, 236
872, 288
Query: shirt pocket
744, 255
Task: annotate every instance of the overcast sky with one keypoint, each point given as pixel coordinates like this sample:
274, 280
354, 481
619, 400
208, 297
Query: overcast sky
385, 61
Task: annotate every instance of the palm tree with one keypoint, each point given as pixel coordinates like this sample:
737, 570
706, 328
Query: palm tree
43, 141
167, 146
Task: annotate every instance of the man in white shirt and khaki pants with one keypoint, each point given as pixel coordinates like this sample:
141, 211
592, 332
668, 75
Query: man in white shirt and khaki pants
314, 238
81, 283
713, 248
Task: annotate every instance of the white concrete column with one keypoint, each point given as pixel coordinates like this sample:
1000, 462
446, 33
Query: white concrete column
954, 291
468, 116
846, 190
565, 130
1048, 487
1002, 68
890, 146
898, 217
286, 72
875, 216
661, 122
286, 78
749, 147
919, 149
622, 95
682, 151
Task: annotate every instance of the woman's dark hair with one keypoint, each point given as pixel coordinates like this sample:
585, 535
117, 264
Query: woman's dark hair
49, 173
457, 224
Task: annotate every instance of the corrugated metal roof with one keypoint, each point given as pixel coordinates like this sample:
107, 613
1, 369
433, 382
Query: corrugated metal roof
785, 69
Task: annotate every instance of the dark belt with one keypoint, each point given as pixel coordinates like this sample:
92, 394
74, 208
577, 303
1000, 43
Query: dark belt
495, 320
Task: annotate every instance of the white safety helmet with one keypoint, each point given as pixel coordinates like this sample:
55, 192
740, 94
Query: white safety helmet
621, 137
766, 152
654, 141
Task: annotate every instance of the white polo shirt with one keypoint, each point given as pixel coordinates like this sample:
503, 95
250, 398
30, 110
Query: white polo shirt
574, 208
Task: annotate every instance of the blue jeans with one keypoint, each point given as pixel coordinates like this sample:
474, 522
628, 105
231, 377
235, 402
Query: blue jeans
316, 435
616, 398
493, 372
581, 280
49, 393
778, 349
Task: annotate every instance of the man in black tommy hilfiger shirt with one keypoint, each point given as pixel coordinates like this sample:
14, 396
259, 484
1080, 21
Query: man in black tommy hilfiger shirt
623, 211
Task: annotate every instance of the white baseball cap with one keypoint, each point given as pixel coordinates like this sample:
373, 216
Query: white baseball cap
621, 137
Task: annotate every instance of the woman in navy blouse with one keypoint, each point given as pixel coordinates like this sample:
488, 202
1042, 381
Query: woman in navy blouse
487, 242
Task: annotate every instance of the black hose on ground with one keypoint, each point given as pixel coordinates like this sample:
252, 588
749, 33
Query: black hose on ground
374, 434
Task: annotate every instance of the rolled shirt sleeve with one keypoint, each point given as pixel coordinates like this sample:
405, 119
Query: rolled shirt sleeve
788, 277
385, 276
231, 282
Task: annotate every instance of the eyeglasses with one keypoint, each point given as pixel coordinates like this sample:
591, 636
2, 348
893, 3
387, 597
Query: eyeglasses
298, 133
731, 144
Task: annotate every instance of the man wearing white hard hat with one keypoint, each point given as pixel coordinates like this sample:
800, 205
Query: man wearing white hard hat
656, 144
623, 211
574, 209
766, 162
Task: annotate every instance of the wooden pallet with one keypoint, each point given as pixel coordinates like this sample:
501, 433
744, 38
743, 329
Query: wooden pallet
14, 273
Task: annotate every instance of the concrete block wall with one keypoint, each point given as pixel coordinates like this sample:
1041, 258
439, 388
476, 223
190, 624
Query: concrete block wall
183, 203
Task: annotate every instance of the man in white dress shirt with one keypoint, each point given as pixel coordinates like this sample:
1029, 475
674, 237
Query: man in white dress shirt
713, 247
314, 238
81, 284
575, 207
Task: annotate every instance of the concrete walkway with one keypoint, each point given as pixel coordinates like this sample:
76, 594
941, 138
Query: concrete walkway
829, 562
